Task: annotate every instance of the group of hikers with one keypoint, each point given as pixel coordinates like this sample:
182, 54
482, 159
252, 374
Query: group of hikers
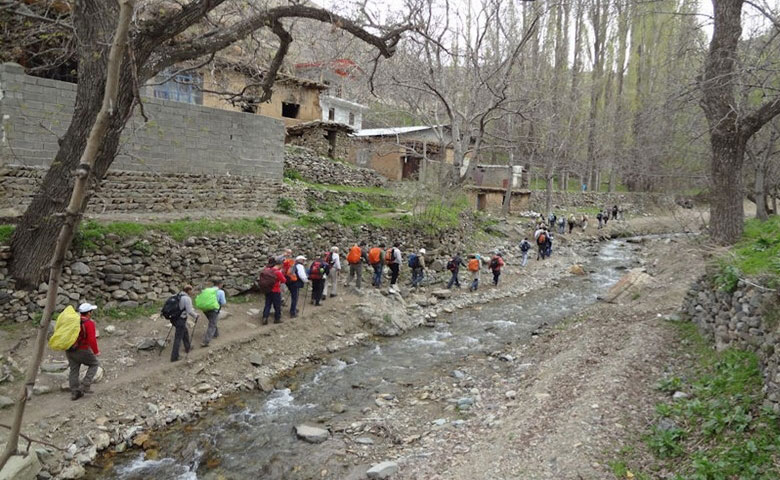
292, 273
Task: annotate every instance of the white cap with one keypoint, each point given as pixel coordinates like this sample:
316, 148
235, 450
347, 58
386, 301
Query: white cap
300, 258
87, 307
422, 250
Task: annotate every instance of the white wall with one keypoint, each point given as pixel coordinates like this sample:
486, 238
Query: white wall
342, 111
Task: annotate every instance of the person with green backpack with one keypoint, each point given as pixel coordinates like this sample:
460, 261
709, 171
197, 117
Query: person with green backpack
211, 300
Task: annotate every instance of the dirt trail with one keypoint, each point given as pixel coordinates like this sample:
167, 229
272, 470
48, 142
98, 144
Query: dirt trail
138, 380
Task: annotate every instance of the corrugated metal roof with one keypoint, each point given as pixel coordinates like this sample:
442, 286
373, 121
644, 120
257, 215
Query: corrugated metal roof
384, 132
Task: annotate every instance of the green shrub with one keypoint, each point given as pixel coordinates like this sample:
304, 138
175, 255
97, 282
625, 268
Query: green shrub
5, 233
286, 206
292, 174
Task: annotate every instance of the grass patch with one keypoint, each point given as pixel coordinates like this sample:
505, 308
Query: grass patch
757, 254
349, 214
438, 216
349, 189
91, 231
5, 233
120, 313
721, 431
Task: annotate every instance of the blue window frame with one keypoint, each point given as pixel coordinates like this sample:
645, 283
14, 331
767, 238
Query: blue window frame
184, 87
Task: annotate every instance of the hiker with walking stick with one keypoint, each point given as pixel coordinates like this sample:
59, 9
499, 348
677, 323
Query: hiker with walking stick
180, 322
296, 278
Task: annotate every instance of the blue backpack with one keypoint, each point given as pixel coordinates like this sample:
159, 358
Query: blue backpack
413, 262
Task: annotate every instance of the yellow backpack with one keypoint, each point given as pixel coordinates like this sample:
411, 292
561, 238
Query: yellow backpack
66, 330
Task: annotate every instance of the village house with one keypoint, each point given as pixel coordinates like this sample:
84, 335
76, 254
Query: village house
338, 100
488, 187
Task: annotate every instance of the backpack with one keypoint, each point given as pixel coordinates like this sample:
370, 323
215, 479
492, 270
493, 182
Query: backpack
207, 300
542, 238
171, 309
599, 216
389, 256
329, 258
413, 261
317, 270
290, 273
354, 255
67, 329
266, 280
473, 265
452, 265
525, 246
494, 263
375, 256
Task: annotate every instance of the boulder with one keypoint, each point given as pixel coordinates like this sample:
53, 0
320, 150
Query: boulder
442, 294
21, 467
5, 402
384, 315
382, 470
79, 268
311, 434
577, 270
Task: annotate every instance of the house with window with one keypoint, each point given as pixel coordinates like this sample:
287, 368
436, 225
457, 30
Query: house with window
337, 101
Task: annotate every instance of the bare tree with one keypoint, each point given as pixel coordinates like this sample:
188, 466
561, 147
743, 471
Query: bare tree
180, 32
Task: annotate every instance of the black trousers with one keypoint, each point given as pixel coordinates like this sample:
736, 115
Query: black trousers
317, 286
496, 274
393, 273
294, 290
180, 336
275, 299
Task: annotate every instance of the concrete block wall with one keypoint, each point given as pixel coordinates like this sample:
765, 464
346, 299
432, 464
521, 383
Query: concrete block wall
178, 138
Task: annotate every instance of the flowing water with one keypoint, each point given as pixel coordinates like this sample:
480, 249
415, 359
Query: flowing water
253, 437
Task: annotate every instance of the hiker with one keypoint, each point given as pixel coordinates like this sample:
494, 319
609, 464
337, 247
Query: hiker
525, 245
287, 262
548, 245
615, 212
376, 261
495, 266
296, 278
552, 219
584, 222
83, 352
541, 243
417, 264
355, 258
454, 266
318, 272
334, 267
393, 261
605, 216
600, 218
273, 295
212, 331
474, 266
180, 324
562, 225
572, 222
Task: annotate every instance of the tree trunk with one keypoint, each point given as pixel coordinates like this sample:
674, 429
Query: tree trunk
78, 199
760, 192
548, 196
37, 230
726, 201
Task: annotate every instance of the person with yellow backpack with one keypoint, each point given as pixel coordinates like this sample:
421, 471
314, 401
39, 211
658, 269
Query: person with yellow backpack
375, 260
355, 258
83, 352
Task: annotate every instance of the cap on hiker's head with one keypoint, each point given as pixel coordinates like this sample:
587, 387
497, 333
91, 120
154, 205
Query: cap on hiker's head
300, 258
87, 307
422, 250
334, 249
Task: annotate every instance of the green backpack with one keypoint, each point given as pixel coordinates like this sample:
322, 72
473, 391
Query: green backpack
207, 300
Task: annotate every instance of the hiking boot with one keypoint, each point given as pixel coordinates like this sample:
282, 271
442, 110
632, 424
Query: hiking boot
76, 395
204, 345
265, 321
86, 390
278, 321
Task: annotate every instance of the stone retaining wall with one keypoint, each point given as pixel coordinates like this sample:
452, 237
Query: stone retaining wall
132, 271
748, 318
632, 202
318, 169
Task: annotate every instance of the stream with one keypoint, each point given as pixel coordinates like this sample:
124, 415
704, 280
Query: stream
253, 436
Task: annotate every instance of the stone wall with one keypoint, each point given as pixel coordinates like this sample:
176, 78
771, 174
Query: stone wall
632, 202
179, 138
748, 318
132, 271
317, 169
316, 140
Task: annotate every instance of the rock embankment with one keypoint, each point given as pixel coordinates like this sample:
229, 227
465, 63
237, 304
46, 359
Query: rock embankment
316, 169
747, 318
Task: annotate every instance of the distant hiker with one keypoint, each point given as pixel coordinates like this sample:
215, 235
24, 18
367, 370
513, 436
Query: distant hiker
495, 266
377, 263
614, 212
271, 280
572, 222
355, 258
474, 266
548, 245
417, 264
83, 352
334, 268
454, 267
605, 216
541, 243
584, 222
296, 278
287, 262
562, 225
393, 260
216, 300
552, 219
600, 218
318, 271
525, 245
180, 323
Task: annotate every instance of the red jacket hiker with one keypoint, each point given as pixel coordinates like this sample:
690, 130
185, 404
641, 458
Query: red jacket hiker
280, 279
87, 339
496, 263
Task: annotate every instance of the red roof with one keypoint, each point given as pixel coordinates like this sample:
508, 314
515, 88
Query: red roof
341, 66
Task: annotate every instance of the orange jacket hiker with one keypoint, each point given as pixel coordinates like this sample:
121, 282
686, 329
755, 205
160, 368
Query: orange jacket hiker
474, 265
354, 255
375, 255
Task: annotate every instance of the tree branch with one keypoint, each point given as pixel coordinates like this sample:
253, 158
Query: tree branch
765, 113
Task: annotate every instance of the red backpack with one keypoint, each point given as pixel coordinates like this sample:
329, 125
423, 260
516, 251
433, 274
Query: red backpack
316, 270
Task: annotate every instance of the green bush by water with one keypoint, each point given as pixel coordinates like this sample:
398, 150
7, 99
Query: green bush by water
757, 254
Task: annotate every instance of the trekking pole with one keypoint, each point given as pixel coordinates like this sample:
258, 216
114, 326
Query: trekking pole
305, 295
165, 342
192, 335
